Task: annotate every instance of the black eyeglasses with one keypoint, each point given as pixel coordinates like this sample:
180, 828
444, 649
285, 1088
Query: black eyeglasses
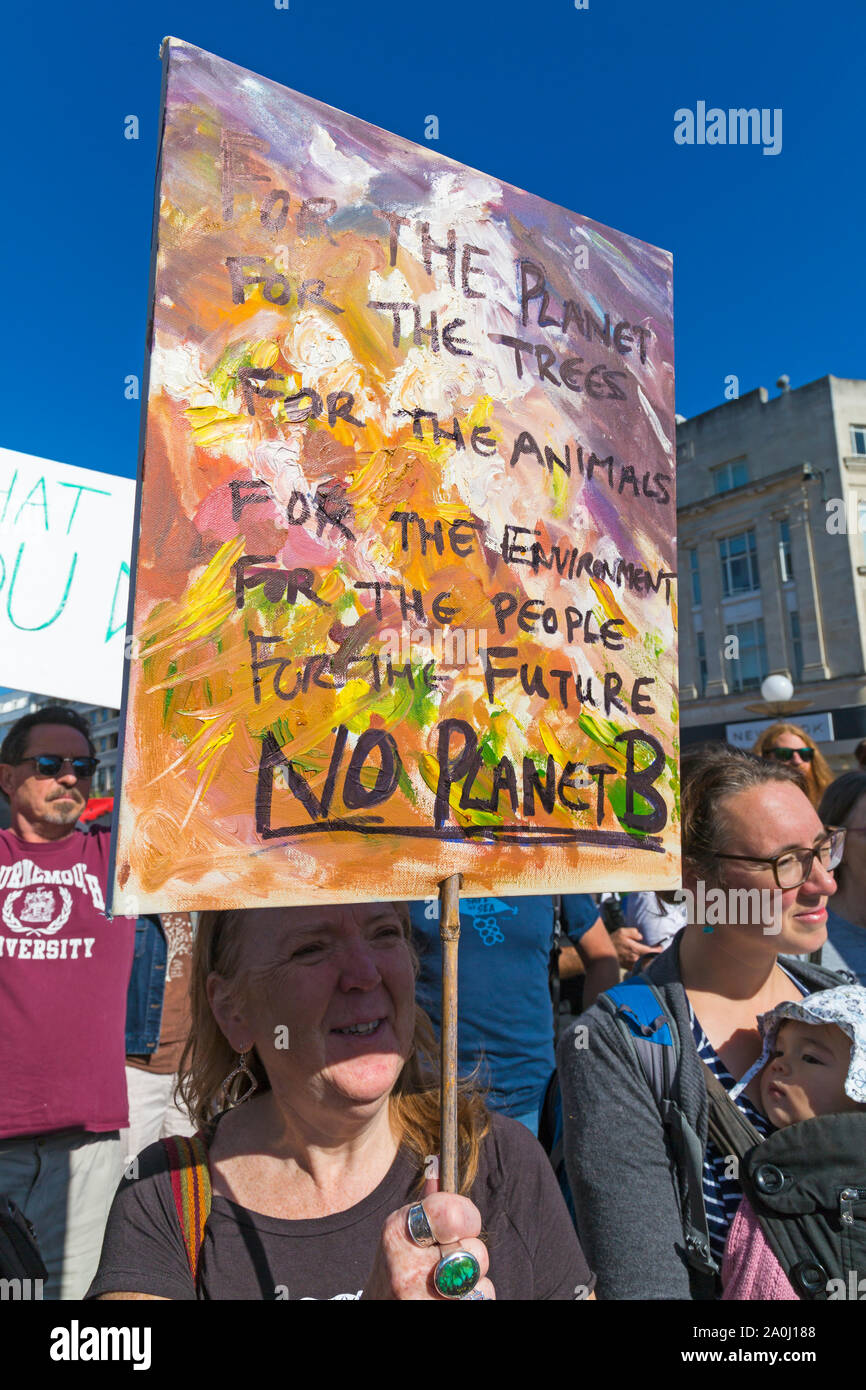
792, 868
51, 764
784, 755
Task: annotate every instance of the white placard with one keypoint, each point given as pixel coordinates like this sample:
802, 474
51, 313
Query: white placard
817, 726
65, 541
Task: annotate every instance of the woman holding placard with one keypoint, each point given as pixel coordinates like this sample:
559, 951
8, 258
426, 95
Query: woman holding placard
309, 1069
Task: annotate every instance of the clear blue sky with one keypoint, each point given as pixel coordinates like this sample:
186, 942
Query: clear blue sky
576, 106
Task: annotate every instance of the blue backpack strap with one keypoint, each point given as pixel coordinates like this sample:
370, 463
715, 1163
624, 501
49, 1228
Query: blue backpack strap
644, 1018
642, 1015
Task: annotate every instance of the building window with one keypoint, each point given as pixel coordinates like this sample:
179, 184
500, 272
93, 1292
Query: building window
109, 779
695, 571
858, 439
785, 567
702, 664
796, 646
749, 666
730, 475
739, 557
685, 450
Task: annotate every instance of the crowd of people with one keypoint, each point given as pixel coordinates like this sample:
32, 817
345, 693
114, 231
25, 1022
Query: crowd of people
245, 1104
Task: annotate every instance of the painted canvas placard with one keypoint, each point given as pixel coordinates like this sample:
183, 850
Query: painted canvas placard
405, 596
65, 541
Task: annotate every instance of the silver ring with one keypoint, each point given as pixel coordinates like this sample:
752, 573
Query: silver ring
419, 1226
475, 1295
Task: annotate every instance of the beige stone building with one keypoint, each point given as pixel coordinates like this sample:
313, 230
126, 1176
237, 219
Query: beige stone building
771, 506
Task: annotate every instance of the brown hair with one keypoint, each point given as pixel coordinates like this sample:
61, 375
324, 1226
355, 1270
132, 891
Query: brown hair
821, 775
209, 1057
709, 774
838, 802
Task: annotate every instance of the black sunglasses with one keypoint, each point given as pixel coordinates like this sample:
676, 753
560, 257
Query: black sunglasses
784, 755
50, 765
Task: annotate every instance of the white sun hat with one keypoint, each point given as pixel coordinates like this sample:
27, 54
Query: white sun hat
845, 1006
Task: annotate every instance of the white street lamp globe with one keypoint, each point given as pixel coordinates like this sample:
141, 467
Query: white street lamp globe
777, 689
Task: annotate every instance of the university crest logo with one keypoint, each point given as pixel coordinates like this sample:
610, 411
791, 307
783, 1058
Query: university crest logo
37, 913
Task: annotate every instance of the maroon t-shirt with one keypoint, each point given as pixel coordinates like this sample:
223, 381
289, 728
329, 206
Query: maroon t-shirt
64, 973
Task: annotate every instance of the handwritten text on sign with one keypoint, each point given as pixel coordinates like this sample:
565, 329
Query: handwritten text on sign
65, 537
406, 599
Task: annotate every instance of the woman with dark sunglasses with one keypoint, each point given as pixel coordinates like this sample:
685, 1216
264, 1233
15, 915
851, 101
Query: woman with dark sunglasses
790, 745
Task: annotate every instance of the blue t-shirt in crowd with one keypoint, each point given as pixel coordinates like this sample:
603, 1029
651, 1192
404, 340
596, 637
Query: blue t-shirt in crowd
845, 948
505, 1019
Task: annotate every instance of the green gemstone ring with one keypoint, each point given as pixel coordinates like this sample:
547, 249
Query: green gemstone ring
456, 1274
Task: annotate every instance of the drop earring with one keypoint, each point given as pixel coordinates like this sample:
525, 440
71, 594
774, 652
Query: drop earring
228, 1100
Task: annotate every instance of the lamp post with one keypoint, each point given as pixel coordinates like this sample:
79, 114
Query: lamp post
776, 692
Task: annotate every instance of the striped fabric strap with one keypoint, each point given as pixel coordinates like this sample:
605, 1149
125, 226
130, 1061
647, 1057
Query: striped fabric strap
191, 1187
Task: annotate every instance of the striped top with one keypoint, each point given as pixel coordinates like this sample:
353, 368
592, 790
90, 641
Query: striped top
722, 1193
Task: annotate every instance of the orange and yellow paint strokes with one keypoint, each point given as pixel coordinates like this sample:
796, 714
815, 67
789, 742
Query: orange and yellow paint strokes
336, 527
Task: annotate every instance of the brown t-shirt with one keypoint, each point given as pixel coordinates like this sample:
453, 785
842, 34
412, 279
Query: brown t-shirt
178, 930
534, 1251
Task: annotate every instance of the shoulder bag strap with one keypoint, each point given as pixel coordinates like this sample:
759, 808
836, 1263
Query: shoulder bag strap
191, 1188
651, 1031
730, 1130
733, 1133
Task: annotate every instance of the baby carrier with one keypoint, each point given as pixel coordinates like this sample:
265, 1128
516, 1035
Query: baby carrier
807, 1183
807, 1186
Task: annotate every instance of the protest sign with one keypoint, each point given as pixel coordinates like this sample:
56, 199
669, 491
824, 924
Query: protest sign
405, 597
65, 539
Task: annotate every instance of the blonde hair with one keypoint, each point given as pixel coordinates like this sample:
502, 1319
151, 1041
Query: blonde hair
209, 1057
819, 777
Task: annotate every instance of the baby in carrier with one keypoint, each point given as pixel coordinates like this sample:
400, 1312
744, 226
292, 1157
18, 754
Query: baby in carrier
813, 1090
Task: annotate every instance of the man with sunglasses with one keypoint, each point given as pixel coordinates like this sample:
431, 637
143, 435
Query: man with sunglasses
64, 970
798, 757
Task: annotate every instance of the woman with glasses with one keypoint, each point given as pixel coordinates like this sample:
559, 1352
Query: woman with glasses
844, 803
630, 1137
790, 745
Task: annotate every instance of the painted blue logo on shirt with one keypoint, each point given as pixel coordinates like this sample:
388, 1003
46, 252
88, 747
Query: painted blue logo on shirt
483, 913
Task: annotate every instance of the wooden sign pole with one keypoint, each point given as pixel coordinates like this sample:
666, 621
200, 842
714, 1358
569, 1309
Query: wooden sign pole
449, 936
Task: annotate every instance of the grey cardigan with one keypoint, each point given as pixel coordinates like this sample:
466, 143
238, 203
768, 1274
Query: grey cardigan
618, 1158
